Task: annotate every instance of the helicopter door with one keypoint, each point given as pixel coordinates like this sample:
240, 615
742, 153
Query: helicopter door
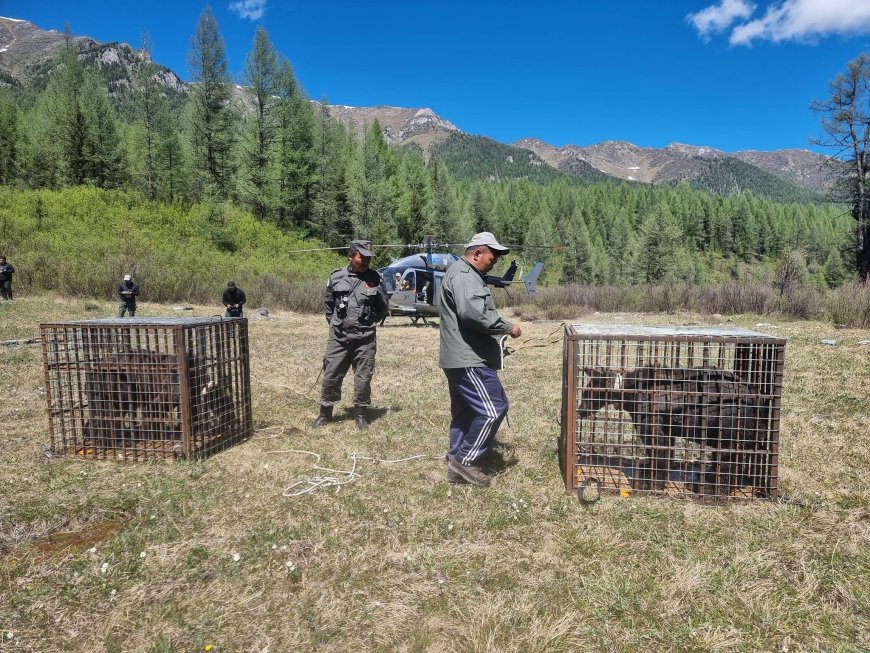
425, 282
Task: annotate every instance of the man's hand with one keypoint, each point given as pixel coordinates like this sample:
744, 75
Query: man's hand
516, 331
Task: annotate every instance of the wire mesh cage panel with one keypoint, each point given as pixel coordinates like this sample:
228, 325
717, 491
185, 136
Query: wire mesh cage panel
679, 411
152, 388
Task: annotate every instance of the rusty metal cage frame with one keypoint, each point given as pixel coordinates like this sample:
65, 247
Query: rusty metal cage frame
147, 388
630, 393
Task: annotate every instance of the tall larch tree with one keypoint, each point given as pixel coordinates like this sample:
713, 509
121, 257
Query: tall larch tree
845, 117
151, 111
212, 124
297, 160
9, 139
262, 83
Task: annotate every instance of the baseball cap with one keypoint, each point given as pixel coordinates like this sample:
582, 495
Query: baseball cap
127, 277
486, 238
231, 284
364, 247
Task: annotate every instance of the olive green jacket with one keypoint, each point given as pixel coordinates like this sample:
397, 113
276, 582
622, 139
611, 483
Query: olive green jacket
470, 325
354, 304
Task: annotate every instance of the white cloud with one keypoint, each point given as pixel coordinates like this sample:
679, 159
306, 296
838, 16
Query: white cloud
806, 19
717, 18
783, 20
250, 9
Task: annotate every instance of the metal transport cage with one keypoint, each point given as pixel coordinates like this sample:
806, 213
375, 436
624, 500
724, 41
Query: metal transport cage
147, 388
680, 411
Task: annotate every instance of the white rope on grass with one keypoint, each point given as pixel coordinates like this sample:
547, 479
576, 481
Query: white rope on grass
343, 476
278, 385
269, 428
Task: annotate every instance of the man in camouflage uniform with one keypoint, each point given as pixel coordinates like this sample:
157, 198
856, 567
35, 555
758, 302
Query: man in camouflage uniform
354, 302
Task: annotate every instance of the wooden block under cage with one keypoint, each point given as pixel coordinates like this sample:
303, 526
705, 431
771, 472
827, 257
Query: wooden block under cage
150, 388
676, 411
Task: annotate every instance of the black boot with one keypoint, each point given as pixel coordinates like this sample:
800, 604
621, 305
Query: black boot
360, 414
324, 417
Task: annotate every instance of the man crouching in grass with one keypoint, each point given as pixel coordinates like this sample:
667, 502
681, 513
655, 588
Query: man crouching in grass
470, 357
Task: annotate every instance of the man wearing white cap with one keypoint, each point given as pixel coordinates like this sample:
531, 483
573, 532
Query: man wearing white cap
128, 290
471, 356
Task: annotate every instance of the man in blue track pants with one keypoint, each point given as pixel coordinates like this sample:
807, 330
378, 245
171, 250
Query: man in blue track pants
471, 357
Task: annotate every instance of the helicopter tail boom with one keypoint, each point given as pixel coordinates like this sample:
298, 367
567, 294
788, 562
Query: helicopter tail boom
531, 279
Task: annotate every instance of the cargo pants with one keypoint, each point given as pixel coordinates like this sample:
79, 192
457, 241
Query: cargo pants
339, 358
125, 306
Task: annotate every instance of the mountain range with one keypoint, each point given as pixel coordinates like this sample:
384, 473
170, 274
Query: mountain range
27, 53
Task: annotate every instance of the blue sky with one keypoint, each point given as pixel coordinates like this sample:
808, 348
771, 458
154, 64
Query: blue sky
730, 74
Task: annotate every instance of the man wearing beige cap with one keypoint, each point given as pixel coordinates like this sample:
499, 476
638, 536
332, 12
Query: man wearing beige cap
471, 356
354, 302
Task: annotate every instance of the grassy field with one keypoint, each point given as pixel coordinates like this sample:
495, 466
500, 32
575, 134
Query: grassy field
199, 556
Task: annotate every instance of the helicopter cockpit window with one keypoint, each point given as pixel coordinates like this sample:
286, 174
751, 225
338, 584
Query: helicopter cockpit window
409, 281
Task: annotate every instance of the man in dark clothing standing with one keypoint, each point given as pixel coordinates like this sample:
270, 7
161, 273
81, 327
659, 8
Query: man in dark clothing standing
471, 357
354, 302
128, 290
6, 271
233, 298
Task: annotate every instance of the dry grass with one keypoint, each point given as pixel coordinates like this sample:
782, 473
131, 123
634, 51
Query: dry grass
141, 557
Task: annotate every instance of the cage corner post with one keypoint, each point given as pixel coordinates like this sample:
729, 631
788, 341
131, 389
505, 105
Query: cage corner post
184, 391
46, 376
570, 410
248, 429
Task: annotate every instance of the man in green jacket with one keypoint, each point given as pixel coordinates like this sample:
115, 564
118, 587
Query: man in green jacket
471, 356
354, 302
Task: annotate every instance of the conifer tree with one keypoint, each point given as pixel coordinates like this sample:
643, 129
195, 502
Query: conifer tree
151, 110
330, 221
579, 261
61, 103
413, 197
171, 164
480, 214
9, 139
845, 119
104, 159
660, 245
443, 220
212, 128
42, 148
540, 241
262, 83
297, 161
371, 197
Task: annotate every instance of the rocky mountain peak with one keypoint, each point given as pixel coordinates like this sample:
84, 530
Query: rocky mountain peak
26, 50
681, 149
399, 125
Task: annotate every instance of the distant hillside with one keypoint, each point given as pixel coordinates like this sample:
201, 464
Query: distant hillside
799, 167
28, 53
479, 158
728, 176
768, 174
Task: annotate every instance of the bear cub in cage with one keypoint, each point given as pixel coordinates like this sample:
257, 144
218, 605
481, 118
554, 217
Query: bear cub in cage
714, 408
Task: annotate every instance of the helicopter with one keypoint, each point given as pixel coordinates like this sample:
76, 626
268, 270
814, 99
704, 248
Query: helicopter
414, 282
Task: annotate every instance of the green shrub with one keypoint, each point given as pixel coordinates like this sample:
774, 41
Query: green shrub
80, 242
850, 305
